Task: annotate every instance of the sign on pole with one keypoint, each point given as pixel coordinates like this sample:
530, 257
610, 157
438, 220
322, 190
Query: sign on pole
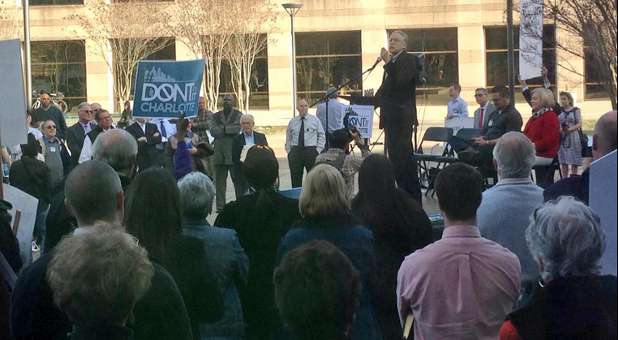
603, 202
360, 116
13, 129
167, 89
531, 39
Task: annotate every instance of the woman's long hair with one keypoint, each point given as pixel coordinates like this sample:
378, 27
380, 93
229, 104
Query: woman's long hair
153, 211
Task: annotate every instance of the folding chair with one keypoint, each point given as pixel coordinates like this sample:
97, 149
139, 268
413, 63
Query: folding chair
469, 133
426, 173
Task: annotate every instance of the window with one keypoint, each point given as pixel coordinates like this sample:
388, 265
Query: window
437, 52
56, 2
326, 59
258, 97
496, 57
593, 78
60, 66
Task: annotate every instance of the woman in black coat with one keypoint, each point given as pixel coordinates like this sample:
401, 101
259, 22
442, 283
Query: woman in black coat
399, 228
153, 216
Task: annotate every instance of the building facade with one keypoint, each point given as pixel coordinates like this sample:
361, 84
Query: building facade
460, 41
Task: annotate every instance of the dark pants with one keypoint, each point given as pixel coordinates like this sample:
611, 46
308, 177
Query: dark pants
544, 175
399, 148
221, 171
485, 151
241, 187
299, 159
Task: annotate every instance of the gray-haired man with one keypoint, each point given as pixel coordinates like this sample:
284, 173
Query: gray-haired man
506, 208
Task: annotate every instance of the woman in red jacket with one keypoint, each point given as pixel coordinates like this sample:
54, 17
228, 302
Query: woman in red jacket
543, 129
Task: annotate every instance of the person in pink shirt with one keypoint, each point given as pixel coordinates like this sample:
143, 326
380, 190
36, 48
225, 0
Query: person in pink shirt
462, 286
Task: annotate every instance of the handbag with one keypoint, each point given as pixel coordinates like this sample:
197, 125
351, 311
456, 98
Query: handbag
583, 139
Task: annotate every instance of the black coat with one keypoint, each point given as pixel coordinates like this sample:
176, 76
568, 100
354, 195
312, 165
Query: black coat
33, 177
239, 143
160, 314
75, 137
397, 94
53, 113
147, 155
570, 309
260, 221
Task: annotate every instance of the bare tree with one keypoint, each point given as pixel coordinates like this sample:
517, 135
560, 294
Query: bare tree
205, 27
249, 39
131, 30
592, 24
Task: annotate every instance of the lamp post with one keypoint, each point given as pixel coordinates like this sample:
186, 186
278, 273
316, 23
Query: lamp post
27, 55
293, 9
510, 45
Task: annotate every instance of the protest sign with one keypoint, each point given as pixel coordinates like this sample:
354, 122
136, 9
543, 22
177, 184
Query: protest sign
531, 39
24, 215
603, 202
360, 116
13, 109
167, 89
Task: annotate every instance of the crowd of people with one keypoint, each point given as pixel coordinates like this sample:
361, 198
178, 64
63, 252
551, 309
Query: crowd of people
127, 250
555, 127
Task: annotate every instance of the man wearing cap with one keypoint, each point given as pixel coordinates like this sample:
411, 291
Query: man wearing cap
333, 109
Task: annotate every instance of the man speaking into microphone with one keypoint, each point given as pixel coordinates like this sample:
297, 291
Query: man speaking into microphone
396, 98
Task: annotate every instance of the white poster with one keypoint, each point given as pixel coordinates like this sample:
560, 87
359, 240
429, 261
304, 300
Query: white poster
603, 202
531, 39
360, 116
13, 109
24, 215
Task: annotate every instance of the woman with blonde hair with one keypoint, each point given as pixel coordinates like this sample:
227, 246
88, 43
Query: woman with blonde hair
325, 211
543, 130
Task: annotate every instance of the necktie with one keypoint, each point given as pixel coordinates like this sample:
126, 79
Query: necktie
301, 133
481, 118
163, 131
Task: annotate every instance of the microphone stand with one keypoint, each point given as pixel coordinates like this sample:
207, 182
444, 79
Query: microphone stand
336, 90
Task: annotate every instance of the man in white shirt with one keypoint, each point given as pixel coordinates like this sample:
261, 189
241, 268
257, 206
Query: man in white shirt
104, 123
457, 106
304, 140
336, 110
486, 108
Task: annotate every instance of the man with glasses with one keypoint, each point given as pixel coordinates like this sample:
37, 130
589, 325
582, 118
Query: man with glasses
49, 111
76, 134
486, 108
104, 123
55, 152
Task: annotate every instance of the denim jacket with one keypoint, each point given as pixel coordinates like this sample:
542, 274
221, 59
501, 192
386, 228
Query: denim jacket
230, 264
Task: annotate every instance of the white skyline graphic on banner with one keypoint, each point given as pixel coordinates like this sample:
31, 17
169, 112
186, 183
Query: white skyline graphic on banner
155, 75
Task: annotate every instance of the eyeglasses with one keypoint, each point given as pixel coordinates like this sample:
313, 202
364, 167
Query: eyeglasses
478, 95
87, 111
50, 127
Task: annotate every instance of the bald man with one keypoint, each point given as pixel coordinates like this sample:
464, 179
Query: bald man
603, 142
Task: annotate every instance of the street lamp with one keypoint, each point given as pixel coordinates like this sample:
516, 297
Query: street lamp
293, 9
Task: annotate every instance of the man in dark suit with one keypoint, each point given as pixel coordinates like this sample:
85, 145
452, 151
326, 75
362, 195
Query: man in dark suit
247, 137
224, 126
396, 98
147, 136
76, 134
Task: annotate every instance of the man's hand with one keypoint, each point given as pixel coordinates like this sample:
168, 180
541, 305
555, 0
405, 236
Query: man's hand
156, 134
522, 82
385, 55
142, 140
356, 137
544, 72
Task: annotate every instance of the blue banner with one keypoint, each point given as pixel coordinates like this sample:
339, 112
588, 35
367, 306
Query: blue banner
167, 89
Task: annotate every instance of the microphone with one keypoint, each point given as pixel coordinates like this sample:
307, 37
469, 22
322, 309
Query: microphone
375, 64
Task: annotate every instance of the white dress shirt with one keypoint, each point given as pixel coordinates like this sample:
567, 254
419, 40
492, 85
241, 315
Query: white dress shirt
336, 111
314, 133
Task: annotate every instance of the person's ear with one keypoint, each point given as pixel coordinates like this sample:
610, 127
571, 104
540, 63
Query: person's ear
595, 142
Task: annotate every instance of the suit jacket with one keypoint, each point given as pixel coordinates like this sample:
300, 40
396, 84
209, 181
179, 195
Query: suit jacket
75, 140
146, 151
224, 129
488, 111
397, 94
239, 143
